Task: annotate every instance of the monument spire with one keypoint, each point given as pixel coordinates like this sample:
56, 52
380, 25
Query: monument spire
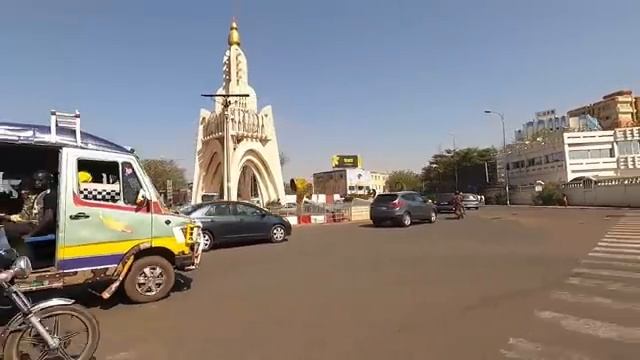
234, 34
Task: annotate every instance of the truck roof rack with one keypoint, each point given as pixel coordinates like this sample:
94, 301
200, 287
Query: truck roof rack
65, 120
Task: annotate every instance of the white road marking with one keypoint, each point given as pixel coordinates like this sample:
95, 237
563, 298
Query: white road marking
612, 263
525, 350
605, 284
630, 251
592, 327
618, 244
596, 300
622, 236
616, 273
631, 241
615, 256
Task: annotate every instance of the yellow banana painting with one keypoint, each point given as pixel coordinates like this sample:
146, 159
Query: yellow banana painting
115, 225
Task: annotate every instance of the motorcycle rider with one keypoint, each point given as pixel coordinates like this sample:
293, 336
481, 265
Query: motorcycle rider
458, 207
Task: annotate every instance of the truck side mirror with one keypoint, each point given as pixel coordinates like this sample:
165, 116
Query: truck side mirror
142, 199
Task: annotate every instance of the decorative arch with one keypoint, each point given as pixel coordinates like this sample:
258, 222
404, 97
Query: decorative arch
252, 158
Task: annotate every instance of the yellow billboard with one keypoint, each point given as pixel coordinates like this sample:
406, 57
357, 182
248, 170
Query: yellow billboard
346, 161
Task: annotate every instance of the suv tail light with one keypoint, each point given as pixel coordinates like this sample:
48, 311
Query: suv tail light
396, 204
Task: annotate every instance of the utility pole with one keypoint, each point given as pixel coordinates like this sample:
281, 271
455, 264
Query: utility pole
455, 161
226, 157
504, 152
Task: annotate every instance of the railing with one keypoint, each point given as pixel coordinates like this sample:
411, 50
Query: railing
588, 183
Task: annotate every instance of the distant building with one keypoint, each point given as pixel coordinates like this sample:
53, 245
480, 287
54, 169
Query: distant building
616, 110
567, 155
379, 181
349, 182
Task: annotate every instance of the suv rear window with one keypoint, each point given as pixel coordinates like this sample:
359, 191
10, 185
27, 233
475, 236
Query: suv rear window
385, 198
444, 197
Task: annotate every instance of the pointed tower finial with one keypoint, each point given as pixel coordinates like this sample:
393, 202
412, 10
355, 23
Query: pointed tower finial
234, 35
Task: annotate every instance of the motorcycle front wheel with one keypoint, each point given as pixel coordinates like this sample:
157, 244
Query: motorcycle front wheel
78, 343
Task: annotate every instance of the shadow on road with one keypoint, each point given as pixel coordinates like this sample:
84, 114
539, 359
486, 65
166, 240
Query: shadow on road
243, 243
86, 295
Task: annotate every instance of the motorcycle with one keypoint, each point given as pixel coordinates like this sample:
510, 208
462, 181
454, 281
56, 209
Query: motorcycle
459, 212
35, 332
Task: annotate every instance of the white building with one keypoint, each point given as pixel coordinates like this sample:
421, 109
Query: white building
349, 182
568, 155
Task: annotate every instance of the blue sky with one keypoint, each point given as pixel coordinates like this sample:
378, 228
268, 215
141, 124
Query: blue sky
387, 81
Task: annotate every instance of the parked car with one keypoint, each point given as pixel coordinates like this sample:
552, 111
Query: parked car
444, 202
471, 201
402, 208
237, 221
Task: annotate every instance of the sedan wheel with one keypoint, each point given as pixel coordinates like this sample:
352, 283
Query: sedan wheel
433, 217
278, 234
207, 241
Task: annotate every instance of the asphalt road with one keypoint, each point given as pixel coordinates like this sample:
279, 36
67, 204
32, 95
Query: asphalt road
503, 283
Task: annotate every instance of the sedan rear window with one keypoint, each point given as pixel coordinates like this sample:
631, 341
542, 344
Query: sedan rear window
469, 197
385, 198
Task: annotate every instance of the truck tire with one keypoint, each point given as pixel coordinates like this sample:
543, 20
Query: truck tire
150, 278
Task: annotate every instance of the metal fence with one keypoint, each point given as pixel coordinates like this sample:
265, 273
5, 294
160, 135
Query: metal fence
332, 212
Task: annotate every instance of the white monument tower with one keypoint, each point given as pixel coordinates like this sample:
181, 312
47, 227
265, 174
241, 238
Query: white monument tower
236, 139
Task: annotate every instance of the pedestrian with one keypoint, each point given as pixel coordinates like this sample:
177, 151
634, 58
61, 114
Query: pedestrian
565, 200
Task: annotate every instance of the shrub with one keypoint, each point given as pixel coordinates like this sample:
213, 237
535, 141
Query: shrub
549, 196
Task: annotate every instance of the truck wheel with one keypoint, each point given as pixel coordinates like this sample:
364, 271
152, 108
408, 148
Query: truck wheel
149, 279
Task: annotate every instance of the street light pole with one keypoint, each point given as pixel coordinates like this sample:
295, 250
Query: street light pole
504, 151
455, 161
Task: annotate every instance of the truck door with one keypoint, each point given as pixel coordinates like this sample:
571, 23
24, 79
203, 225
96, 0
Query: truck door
101, 219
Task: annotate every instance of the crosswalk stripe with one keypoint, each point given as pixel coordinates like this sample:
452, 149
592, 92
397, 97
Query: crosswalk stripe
605, 249
596, 300
525, 350
592, 327
622, 236
616, 273
612, 263
618, 244
623, 233
631, 241
605, 284
615, 256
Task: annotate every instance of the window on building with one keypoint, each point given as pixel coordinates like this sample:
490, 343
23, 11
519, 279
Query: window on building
352, 188
578, 154
591, 154
629, 147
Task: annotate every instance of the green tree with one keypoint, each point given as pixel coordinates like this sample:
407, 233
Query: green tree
161, 170
402, 180
469, 163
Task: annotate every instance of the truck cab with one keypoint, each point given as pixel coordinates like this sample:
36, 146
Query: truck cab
110, 223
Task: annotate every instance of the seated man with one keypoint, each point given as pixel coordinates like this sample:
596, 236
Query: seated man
38, 215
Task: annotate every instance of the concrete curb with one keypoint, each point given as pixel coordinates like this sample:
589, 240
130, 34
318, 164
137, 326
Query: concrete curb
331, 223
569, 207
